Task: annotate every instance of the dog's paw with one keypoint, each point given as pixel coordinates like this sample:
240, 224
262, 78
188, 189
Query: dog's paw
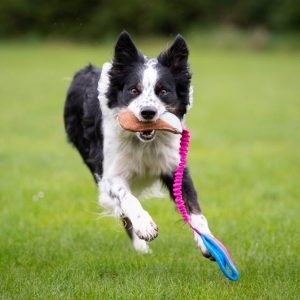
202, 247
144, 227
140, 246
199, 221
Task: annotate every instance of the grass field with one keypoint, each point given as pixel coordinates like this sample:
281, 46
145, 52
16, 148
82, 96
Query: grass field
244, 157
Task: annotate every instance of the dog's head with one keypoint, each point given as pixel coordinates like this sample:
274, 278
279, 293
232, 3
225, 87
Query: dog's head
148, 87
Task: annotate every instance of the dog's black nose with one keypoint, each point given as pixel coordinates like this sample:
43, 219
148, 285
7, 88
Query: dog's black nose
148, 112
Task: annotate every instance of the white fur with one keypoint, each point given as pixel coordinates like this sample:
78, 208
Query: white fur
130, 166
148, 96
199, 221
116, 197
140, 245
124, 155
191, 93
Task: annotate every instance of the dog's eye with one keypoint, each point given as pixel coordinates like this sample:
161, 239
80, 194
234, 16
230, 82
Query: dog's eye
134, 92
163, 93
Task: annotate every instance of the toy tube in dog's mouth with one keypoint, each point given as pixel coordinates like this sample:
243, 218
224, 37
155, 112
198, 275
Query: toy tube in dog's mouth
146, 130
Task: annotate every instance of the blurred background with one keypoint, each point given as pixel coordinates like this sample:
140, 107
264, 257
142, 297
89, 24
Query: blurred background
244, 152
220, 23
94, 20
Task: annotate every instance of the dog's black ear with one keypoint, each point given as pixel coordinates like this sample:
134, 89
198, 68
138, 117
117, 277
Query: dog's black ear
125, 50
176, 56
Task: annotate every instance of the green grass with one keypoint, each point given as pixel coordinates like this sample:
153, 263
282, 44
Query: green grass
244, 158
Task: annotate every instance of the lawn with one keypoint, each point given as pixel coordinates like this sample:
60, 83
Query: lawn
244, 158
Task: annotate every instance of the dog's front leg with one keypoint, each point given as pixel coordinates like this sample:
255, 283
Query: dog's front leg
190, 197
116, 196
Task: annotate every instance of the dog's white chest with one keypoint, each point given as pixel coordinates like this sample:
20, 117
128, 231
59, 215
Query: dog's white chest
155, 158
141, 164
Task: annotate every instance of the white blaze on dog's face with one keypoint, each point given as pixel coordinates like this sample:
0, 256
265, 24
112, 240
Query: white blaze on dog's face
147, 106
149, 87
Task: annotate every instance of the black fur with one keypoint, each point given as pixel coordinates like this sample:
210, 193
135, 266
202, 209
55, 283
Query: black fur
188, 191
82, 116
175, 61
128, 64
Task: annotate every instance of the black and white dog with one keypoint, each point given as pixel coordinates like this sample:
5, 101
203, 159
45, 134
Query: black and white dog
124, 163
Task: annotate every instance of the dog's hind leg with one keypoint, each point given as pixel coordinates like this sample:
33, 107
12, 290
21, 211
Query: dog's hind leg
190, 197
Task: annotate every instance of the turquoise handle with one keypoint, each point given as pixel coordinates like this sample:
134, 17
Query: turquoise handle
220, 256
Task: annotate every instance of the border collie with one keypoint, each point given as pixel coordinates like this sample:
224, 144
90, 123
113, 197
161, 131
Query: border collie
123, 163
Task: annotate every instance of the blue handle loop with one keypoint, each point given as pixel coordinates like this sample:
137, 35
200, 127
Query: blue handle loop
220, 256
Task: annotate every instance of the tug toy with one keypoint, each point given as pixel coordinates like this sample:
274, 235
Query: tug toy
169, 122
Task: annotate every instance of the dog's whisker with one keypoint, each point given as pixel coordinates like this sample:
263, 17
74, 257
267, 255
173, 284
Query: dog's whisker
104, 214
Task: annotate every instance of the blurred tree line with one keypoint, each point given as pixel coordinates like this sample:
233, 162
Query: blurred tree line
91, 19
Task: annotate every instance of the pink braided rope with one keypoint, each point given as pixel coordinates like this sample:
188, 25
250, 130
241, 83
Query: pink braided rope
177, 191
177, 185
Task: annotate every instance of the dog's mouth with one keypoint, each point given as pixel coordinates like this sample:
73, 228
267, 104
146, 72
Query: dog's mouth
147, 135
